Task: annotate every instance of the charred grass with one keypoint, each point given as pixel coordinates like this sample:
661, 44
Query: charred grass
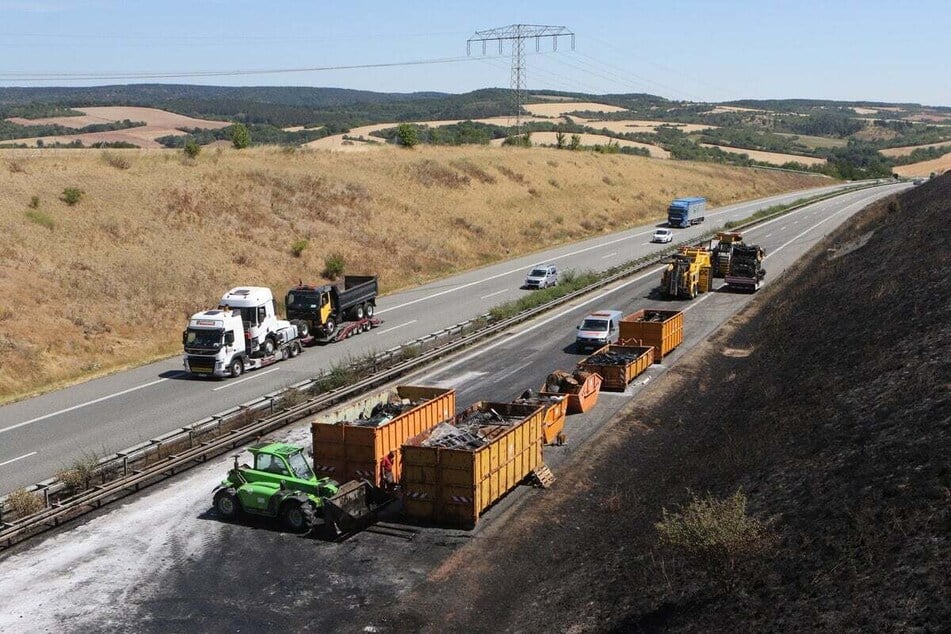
835, 426
108, 282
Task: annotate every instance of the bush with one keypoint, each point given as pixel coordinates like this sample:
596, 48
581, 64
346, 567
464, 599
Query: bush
72, 195
116, 161
41, 218
22, 503
78, 476
34, 202
298, 247
192, 149
713, 535
407, 135
333, 266
240, 136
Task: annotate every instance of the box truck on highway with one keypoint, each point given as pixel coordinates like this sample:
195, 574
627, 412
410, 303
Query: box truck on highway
684, 212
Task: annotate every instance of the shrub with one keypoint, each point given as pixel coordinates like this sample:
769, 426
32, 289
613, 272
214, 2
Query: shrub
192, 149
78, 476
34, 202
333, 266
713, 535
72, 195
117, 161
240, 136
298, 247
41, 218
22, 503
407, 135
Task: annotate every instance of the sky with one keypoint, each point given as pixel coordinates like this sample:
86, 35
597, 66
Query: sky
714, 50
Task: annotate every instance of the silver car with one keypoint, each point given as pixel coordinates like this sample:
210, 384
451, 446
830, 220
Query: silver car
663, 236
542, 277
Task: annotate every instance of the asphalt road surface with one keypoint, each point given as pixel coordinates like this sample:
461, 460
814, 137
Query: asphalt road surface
42, 435
163, 561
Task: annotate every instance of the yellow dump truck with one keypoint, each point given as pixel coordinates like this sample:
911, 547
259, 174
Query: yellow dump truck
722, 250
688, 273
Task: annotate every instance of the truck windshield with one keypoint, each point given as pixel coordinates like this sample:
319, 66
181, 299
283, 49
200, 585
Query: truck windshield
594, 324
203, 338
299, 465
299, 300
249, 315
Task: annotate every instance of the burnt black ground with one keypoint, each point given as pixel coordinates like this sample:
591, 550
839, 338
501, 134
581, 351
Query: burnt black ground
826, 401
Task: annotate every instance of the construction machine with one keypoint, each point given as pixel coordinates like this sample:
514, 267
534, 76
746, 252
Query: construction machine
746, 268
688, 273
722, 249
282, 484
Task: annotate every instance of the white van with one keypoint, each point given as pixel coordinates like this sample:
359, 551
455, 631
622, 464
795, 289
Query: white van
598, 329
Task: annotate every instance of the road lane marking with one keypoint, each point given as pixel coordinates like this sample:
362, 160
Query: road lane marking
75, 407
609, 255
248, 378
502, 377
380, 332
3, 464
768, 234
504, 290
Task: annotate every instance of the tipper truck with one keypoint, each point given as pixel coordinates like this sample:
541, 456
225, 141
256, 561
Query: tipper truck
325, 308
746, 268
684, 212
230, 339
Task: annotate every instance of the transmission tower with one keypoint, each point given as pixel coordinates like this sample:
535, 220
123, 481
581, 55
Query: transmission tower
518, 33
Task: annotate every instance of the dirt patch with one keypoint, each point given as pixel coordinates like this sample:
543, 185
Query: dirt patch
836, 427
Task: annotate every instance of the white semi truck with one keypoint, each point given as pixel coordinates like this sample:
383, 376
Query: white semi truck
243, 333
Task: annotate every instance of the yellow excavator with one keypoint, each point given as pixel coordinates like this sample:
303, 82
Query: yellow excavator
687, 274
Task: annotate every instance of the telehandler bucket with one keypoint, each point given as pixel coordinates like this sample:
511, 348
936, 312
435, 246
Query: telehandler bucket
354, 507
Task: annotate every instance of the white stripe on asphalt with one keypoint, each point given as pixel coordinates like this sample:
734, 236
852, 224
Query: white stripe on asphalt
380, 332
504, 290
75, 407
3, 464
248, 378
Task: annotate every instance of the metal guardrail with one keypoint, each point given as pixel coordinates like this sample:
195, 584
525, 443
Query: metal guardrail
144, 464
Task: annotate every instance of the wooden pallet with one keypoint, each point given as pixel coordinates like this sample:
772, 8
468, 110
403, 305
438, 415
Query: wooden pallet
542, 476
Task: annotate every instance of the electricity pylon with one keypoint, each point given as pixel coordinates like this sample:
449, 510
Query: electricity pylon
518, 33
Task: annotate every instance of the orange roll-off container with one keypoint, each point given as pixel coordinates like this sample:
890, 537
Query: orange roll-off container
582, 398
617, 376
347, 451
661, 329
455, 486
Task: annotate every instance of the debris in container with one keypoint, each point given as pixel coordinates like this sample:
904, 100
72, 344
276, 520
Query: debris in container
448, 436
383, 413
560, 382
652, 316
613, 357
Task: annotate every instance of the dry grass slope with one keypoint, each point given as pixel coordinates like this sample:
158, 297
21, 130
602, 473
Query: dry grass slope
109, 282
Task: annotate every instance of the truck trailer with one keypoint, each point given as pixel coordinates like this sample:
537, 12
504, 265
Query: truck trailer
325, 308
684, 212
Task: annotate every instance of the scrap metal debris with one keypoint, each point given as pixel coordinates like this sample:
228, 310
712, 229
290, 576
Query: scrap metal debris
383, 413
469, 430
560, 382
613, 357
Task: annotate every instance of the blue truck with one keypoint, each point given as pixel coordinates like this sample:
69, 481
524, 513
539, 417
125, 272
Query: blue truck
684, 212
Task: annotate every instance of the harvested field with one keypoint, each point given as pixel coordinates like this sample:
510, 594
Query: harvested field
770, 157
908, 149
815, 142
925, 168
550, 139
98, 285
559, 109
636, 125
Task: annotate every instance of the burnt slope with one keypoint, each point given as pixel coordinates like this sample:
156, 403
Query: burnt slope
835, 425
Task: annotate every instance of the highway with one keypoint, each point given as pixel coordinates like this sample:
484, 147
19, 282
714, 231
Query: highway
42, 435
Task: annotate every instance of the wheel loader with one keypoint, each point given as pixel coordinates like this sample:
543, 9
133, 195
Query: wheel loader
281, 484
687, 274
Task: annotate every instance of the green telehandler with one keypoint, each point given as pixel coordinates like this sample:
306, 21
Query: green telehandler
282, 484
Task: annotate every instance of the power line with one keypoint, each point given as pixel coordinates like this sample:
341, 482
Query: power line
24, 76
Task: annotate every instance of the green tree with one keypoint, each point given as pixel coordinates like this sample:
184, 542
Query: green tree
575, 142
240, 137
407, 135
560, 140
192, 149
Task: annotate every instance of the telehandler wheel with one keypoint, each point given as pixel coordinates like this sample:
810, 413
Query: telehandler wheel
295, 516
227, 504
236, 367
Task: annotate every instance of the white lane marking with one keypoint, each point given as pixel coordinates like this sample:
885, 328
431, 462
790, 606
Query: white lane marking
506, 375
737, 208
75, 407
544, 322
768, 234
609, 255
3, 464
504, 290
247, 378
380, 332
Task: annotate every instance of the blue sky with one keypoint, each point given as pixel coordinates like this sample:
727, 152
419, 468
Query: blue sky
715, 50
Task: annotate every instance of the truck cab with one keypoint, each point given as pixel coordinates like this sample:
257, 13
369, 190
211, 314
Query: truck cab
598, 329
256, 306
214, 343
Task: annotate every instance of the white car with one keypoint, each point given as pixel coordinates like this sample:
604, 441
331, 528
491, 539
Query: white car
542, 277
663, 235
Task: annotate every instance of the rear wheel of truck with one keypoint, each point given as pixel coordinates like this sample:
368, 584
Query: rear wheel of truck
370, 309
359, 312
236, 367
295, 349
226, 503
